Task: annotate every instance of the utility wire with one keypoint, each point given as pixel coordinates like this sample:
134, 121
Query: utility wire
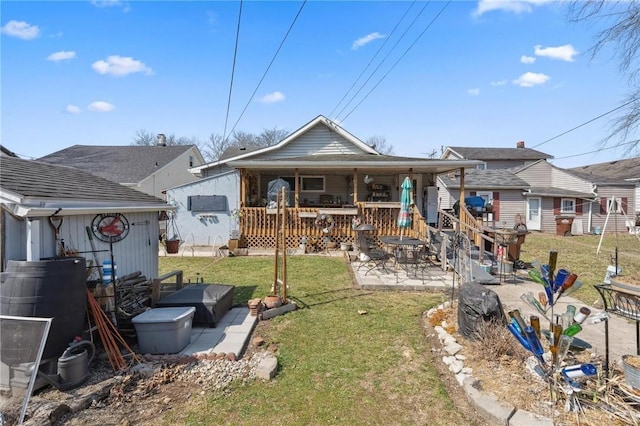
599, 150
383, 60
233, 69
399, 59
373, 58
268, 67
586, 122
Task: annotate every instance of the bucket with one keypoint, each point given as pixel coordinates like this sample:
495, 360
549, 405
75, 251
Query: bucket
598, 230
506, 267
345, 246
172, 246
108, 270
486, 267
48, 289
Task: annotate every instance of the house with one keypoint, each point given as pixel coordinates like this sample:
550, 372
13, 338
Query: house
329, 173
149, 169
496, 158
94, 217
626, 169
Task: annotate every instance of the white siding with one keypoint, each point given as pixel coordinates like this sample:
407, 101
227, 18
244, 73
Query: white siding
562, 179
616, 221
173, 174
637, 196
206, 228
318, 140
137, 252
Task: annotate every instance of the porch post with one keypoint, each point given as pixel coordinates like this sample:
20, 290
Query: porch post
355, 186
296, 189
243, 187
461, 188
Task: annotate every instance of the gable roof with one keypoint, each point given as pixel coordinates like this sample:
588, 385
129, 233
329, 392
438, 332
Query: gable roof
122, 164
485, 154
591, 178
36, 188
626, 169
486, 179
319, 120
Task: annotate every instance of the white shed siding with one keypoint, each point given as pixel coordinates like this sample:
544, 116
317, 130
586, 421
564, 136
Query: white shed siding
318, 140
137, 252
206, 228
173, 174
616, 221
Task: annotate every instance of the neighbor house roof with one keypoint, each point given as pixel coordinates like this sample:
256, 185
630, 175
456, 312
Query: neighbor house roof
123, 164
248, 152
36, 188
487, 154
359, 161
545, 191
626, 169
486, 179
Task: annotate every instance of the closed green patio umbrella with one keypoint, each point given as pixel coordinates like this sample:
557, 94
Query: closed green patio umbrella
404, 217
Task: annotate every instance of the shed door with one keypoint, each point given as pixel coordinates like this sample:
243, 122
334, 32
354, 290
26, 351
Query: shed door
534, 207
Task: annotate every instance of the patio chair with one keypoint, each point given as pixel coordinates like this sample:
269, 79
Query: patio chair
371, 257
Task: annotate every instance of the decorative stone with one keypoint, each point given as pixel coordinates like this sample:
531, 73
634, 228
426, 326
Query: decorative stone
461, 357
448, 359
257, 341
461, 377
467, 370
452, 348
267, 368
456, 366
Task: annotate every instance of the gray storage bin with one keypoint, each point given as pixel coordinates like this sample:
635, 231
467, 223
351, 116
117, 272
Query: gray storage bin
164, 330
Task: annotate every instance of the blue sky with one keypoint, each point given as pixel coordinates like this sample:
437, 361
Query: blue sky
464, 74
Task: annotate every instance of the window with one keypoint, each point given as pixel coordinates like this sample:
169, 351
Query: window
207, 203
486, 196
312, 183
482, 166
568, 205
191, 161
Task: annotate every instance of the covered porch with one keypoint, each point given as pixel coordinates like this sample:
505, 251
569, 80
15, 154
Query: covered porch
330, 195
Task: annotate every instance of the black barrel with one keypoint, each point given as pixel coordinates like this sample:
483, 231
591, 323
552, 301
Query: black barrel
53, 288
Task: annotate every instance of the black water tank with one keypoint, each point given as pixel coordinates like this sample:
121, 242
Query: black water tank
53, 288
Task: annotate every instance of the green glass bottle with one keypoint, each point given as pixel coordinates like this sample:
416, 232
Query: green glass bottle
573, 329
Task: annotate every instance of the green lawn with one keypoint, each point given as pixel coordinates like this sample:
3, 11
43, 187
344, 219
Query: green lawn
336, 366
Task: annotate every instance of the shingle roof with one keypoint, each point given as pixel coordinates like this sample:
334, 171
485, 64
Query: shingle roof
621, 169
491, 178
473, 153
40, 180
122, 164
547, 191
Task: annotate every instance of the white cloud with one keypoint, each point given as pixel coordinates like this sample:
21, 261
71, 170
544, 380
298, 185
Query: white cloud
20, 29
111, 3
563, 53
513, 6
527, 59
366, 39
101, 106
499, 83
473, 92
272, 98
61, 56
72, 109
530, 79
120, 66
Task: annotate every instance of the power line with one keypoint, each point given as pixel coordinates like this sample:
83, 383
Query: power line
399, 59
599, 150
374, 57
233, 69
268, 67
383, 60
586, 122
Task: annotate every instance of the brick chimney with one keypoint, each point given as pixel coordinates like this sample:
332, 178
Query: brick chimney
520, 144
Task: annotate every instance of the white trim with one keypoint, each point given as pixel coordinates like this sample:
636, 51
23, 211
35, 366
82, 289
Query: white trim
573, 202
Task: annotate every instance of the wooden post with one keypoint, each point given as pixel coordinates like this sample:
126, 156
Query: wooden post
297, 188
243, 187
355, 186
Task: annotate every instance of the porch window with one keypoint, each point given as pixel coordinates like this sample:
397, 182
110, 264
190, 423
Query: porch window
312, 183
207, 203
568, 205
482, 166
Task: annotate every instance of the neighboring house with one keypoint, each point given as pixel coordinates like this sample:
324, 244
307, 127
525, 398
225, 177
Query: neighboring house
496, 158
149, 169
4, 151
545, 195
36, 196
626, 169
329, 172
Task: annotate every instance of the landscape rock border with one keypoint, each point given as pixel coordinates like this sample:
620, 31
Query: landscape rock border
493, 410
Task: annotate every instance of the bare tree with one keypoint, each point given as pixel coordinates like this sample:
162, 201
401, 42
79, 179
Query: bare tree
216, 146
144, 138
270, 137
621, 25
380, 144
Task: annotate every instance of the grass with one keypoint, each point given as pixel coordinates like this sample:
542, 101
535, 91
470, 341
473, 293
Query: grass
339, 367
336, 366
578, 254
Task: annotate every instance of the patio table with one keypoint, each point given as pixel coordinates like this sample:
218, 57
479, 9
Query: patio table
407, 252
